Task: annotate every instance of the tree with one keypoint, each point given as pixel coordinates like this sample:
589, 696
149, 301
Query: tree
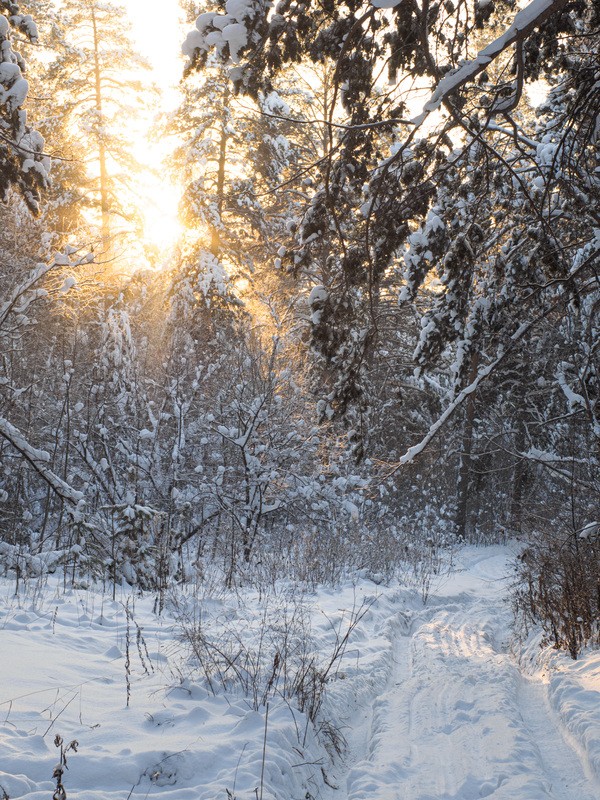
65, 214
23, 164
96, 83
496, 207
228, 156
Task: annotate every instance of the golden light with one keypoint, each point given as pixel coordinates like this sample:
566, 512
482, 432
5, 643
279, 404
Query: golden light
159, 200
157, 34
150, 236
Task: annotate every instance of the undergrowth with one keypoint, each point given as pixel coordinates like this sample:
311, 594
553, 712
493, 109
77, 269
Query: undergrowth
268, 655
558, 587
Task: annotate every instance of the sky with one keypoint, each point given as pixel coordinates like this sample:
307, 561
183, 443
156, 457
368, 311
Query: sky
157, 35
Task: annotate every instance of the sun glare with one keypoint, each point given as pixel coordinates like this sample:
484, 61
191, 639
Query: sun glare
157, 36
149, 192
162, 228
153, 194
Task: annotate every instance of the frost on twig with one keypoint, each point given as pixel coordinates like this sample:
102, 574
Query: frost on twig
60, 792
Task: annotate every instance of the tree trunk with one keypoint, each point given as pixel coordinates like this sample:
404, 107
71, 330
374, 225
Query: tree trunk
215, 235
465, 463
519, 480
104, 183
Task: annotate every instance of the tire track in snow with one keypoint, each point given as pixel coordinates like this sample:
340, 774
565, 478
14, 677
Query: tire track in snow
457, 721
454, 728
567, 771
379, 750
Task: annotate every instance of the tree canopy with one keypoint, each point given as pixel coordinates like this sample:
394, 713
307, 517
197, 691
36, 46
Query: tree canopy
443, 169
376, 331
23, 165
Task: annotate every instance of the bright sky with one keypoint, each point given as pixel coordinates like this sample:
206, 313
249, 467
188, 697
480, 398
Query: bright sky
158, 32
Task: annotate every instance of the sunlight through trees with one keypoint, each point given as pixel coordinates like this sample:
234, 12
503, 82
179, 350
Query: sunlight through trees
331, 300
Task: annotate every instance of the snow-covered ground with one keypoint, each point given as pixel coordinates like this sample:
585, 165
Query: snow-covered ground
427, 702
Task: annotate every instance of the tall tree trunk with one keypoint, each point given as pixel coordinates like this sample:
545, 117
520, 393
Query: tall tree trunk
466, 456
326, 130
520, 471
104, 187
215, 234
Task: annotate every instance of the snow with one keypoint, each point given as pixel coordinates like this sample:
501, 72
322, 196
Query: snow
17, 94
528, 18
38, 460
590, 531
13, 86
28, 25
69, 282
205, 20
239, 9
8, 71
318, 294
434, 700
236, 36
229, 28
193, 41
574, 399
316, 300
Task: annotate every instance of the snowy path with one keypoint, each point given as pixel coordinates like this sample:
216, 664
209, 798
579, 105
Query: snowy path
457, 720
565, 765
430, 701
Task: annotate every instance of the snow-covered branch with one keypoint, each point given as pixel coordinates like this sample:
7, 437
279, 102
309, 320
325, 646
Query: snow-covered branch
525, 22
482, 374
39, 460
28, 291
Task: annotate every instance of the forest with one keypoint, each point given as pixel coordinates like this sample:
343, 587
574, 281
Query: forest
300, 399
360, 327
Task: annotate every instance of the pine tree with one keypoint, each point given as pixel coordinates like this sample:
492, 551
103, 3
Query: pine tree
96, 82
23, 164
495, 209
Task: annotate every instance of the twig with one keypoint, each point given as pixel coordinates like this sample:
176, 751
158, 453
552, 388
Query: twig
264, 753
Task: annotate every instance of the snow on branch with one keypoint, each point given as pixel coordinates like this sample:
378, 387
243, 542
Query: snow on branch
26, 292
592, 253
525, 22
483, 373
22, 159
414, 451
574, 399
39, 460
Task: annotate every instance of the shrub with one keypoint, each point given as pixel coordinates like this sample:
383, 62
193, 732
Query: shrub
559, 588
268, 653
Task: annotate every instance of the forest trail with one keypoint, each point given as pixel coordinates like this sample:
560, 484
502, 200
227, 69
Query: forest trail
430, 699
458, 720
